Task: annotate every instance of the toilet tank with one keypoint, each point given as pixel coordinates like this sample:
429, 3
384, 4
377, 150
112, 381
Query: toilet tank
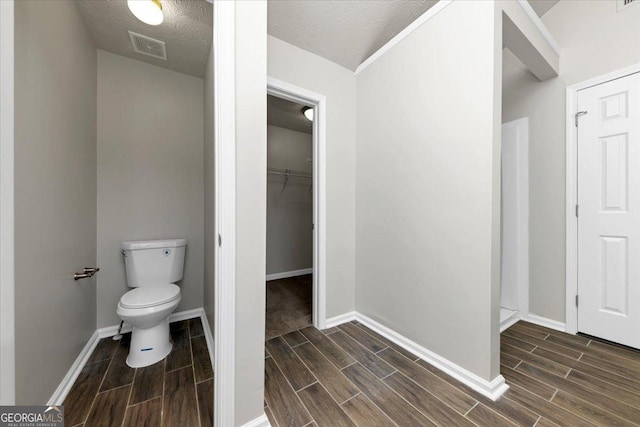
154, 262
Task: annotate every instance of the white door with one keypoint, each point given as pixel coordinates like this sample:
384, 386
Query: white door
609, 211
515, 215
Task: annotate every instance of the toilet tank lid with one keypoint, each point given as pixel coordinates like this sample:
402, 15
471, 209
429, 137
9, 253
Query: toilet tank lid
153, 244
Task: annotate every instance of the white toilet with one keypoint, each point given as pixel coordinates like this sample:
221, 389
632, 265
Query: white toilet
153, 267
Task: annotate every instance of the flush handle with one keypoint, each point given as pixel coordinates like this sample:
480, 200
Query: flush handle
86, 273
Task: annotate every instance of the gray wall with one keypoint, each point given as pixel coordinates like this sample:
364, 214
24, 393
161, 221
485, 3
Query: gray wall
55, 193
301, 68
150, 171
427, 202
251, 183
289, 212
209, 194
595, 40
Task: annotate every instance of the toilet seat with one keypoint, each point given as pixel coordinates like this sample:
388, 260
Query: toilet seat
149, 296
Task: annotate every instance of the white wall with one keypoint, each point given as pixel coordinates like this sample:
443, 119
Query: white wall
595, 40
7, 317
427, 181
301, 68
251, 184
289, 211
209, 194
55, 193
150, 171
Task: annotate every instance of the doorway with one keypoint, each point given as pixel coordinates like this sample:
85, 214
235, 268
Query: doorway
607, 152
69, 153
514, 296
314, 182
289, 263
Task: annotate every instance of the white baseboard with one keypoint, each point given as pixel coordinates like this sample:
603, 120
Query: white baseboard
340, 319
67, 382
65, 385
508, 323
208, 336
543, 321
110, 331
491, 389
261, 421
287, 274
185, 315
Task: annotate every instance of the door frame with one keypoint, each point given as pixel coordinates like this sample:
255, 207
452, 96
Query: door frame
303, 96
571, 183
7, 233
522, 127
224, 118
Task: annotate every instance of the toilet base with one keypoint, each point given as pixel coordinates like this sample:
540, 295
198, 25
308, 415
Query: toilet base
149, 345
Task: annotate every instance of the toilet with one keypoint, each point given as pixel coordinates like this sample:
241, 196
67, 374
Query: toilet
153, 267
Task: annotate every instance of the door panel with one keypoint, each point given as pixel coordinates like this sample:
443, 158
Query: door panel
609, 211
614, 276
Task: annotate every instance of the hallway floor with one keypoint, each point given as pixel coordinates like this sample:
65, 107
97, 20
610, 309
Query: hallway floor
177, 391
289, 304
351, 376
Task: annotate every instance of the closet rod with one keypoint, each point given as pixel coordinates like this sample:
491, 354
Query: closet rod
286, 173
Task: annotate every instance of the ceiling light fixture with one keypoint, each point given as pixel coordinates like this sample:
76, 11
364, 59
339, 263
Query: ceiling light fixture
308, 113
148, 11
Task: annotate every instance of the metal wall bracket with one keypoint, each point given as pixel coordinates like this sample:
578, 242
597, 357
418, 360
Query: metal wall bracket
86, 273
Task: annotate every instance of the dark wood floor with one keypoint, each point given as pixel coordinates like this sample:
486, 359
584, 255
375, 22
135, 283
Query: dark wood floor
289, 304
177, 391
351, 376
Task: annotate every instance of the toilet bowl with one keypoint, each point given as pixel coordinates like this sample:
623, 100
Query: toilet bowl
153, 267
147, 310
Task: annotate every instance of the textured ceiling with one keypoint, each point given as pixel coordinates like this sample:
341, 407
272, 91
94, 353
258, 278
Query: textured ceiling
287, 114
344, 31
542, 6
349, 31
186, 30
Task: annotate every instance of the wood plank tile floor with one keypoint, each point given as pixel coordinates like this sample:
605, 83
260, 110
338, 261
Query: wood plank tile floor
289, 304
351, 376
177, 391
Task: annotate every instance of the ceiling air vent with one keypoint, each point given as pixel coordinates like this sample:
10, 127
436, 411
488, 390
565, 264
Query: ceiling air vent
148, 46
625, 4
